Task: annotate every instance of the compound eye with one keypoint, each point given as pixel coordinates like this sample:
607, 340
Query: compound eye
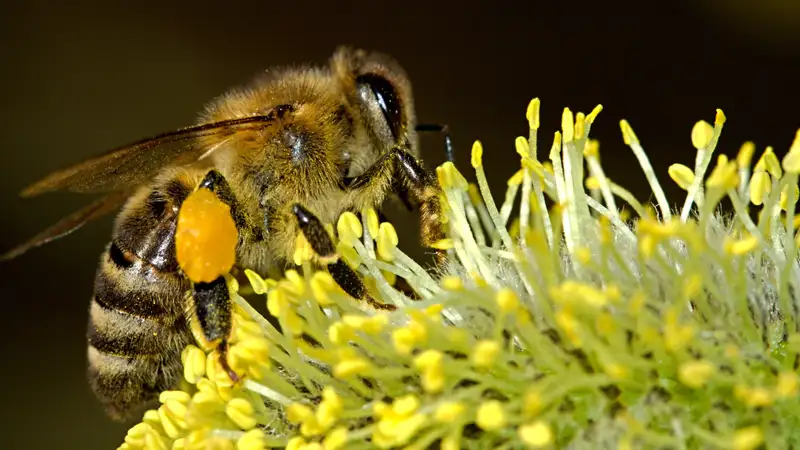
386, 96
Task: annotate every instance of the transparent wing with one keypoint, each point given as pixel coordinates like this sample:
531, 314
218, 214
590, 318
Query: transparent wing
67, 225
133, 164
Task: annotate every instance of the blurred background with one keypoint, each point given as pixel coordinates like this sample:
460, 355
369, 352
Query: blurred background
81, 79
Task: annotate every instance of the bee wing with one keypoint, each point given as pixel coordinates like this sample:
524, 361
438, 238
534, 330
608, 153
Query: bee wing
67, 225
135, 163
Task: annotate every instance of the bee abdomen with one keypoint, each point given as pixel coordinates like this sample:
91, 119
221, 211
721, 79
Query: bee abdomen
136, 331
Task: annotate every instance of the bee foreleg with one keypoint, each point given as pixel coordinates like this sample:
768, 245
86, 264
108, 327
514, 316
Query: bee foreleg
321, 243
420, 185
212, 309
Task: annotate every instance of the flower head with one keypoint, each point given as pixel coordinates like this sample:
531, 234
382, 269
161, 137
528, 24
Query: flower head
569, 324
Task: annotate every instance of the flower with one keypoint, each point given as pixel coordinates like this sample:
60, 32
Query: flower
570, 324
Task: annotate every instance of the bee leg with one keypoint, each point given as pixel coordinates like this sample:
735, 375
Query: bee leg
420, 185
321, 243
445, 130
212, 308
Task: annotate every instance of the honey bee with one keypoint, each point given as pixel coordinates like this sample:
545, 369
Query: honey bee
293, 150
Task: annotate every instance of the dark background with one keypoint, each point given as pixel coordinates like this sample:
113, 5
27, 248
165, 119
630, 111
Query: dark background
82, 79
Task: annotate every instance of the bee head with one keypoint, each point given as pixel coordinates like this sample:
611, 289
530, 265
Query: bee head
381, 91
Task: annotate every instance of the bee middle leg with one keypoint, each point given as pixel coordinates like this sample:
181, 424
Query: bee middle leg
317, 236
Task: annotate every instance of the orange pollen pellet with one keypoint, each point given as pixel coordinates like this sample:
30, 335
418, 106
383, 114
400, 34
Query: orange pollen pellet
206, 237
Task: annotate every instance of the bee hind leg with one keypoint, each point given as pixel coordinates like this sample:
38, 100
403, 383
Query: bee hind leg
211, 305
212, 309
321, 243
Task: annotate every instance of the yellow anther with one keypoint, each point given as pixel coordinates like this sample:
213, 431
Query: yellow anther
330, 409
205, 237
491, 416
771, 163
719, 118
532, 114
516, 179
522, 147
760, 187
241, 412
277, 302
571, 292
349, 228
628, 136
791, 162
566, 321
485, 354
536, 435
335, 439
430, 364
745, 156
171, 428
741, 246
748, 438
452, 283
449, 412
372, 222
349, 367
443, 244
593, 115
755, 397
194, 364
567, 125
592, 183
296, 443
294, 283
302, 250
387, 241
592, 149
322, 285
681, 175
477, 154
404, 340
296, 413
252, 440
256, 282
696, 374
434, 311
178, 396
340, 333
429, 359
702, 132
444, 177
507, 300
580, 124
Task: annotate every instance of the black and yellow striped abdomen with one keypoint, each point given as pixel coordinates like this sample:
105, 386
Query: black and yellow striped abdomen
137, 322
